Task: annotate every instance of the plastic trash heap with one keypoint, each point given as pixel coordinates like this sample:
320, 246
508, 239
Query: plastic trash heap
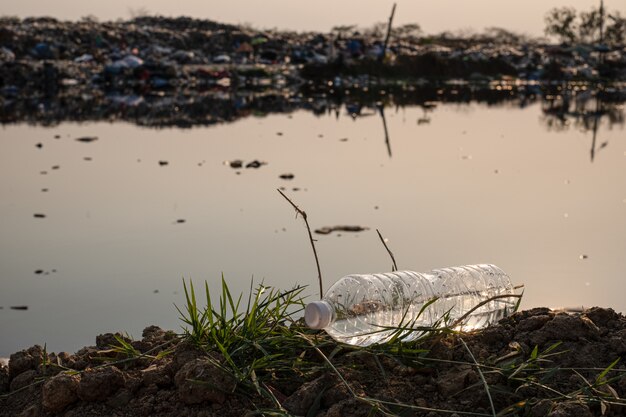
373, 308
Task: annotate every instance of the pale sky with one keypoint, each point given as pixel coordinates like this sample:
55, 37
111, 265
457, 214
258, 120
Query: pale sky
321, 15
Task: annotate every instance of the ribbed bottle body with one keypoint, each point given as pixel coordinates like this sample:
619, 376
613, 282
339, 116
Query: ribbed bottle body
369, 308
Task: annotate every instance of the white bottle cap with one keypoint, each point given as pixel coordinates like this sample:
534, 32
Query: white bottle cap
318, 314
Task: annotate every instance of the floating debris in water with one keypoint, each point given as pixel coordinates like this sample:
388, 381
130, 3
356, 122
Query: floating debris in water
163, 163
39, 145
39, 271
255, 164
56, 167
181, 221
87, 139
235, 164
286, 176
583, 256
39, 215
343, 140
155, 291
328, 230
88, 158
57, 136
279, 133
19, 307
44, 190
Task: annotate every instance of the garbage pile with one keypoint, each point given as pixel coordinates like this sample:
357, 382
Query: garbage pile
160, 65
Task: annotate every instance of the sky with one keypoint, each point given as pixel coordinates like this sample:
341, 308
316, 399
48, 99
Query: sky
321, 15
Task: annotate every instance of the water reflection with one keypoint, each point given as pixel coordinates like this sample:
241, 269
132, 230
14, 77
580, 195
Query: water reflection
183, 109
477, 175
583, 110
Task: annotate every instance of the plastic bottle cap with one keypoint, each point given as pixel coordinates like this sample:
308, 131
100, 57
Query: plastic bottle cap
318, 314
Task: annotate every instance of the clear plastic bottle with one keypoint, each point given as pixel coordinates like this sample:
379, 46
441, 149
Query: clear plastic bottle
365, 309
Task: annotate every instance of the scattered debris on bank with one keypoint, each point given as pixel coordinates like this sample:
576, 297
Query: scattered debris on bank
176, 71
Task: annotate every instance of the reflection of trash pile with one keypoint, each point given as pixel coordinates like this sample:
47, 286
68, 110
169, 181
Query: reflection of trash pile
183, 71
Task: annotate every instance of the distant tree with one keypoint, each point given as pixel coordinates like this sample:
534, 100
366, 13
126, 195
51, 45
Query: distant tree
343, 30
377, 30
408, 31
138, 12
615, 33
501, 35
590, 26
561, 22
586, 27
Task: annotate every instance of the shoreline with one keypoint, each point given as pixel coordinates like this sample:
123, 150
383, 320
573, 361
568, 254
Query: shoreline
167, 376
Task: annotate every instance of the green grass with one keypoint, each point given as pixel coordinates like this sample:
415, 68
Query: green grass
265, 343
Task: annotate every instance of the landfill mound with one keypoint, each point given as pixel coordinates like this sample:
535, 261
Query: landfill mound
156, 61
534, 363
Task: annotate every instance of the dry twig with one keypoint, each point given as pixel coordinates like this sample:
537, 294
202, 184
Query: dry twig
394, 267
306, 222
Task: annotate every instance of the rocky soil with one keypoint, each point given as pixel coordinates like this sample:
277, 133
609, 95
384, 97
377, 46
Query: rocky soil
535, 363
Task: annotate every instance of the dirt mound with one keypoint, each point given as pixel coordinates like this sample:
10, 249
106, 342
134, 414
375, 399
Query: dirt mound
535, 363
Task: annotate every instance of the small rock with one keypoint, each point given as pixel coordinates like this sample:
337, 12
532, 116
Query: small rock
301, 401
185, 352
23, 308
99, 384
44, 190
25, 360
454, 381
570, 409
286, 176
533, 323
56, 167
60, 391
121, 399
350, 408
39, 271
152, 332
39, 216
157, 375
39, 145
201, 381
163, 163
181, 221
564, 327
23, 380
4, 378
542, 408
